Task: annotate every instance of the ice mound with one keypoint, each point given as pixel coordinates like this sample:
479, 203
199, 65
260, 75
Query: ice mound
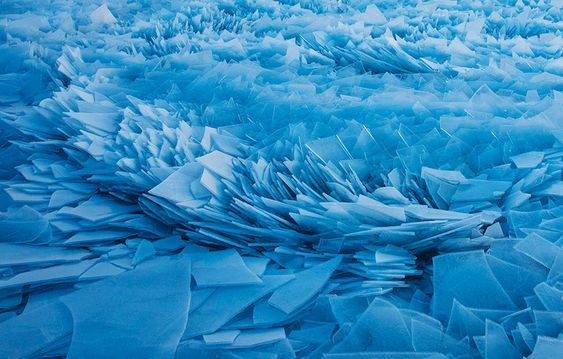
280, 179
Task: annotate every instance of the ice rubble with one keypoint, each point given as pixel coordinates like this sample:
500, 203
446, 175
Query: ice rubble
275, 179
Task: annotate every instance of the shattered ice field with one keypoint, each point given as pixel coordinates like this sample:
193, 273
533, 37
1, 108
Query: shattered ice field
281, 179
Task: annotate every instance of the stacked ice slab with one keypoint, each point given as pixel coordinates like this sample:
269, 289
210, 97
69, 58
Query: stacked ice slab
280, 179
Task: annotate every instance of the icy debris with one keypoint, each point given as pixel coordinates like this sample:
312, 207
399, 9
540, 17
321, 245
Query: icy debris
281, 179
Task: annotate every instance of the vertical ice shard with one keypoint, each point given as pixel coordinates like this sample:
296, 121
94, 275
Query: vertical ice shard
102, 15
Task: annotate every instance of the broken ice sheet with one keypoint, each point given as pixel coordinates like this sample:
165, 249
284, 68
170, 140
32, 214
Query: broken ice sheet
385, 355
480, 290
528, 159
238, 339
182, 185
539, 249
294, 133
101, 270
221, 337
27, 334
550, 297
256, 264
519, 287
145, 250
99, 208
226, 302
147, 319
305, 285
319, 334
171, 243
29, 255
219, 163
480, 190
347, 309
329, 149
370, 334
264, 314
102, 15
497, 344
427, 335
547, 347
23, 225
220, 268
49, 275
96, 237
255, 337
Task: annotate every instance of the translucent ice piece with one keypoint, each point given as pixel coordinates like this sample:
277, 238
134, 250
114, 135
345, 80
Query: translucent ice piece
385, 355
21, 254
102, 15
221, 268
497, 344
480, 288
314, 334
347, 309
101, 270
539, 249
550, 297
99, 208
219, 163
528, 159
49, 275
264, 314
221, 337
225, 303
256, 264
145, 250
547, 348
304, 287
480, 190
517, 281
142, 312
370, 333
27, 334
23, 225
463, 322
95, 237
182, 185
251, 338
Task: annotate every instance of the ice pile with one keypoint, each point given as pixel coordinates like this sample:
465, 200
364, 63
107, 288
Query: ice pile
279, 179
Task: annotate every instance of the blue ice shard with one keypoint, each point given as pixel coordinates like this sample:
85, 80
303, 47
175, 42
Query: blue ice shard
281, 179
147, 319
